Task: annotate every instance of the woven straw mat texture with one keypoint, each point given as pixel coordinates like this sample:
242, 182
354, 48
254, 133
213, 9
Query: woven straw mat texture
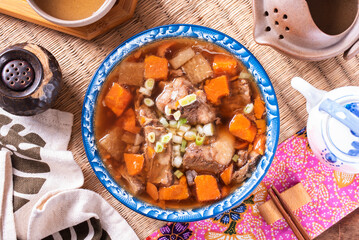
79, 60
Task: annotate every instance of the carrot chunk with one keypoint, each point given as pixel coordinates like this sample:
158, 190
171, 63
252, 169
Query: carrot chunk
261, 125
259, 144
163, 48
216, 88
225, 190
259, 108
240, 126
226, 175
117, 99
151, 189
207, 188
240, 144
175, 192
128, 121
134, 163
156, 67
223, 64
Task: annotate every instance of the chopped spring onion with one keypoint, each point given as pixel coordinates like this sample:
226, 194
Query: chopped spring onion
173, 124
172, 130
180, 133
199, 129
150, 83
178, 174
176, 148
151, 137
159, 147
164, 121
145, 91
248, 108
245, 75
168, 111
174, 95
177, 139
166, 138
235, 158
182, 121
177, 161
177, 115
200, 139
183, 145
208, 129
149, 102
184, 128
190, 136
187, 100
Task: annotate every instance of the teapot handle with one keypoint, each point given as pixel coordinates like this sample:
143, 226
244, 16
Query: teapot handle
352, 51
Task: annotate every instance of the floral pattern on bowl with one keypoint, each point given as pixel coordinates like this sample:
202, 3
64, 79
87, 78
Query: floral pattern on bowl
171, 31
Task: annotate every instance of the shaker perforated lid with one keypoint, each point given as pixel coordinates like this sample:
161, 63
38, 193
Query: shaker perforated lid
17, 75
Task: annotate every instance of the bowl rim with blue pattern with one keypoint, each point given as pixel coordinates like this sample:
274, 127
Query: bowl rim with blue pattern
175, 31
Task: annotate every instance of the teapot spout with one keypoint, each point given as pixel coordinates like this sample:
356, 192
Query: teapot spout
311, 94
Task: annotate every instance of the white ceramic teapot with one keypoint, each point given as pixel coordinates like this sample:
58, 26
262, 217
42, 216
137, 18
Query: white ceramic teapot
333, 124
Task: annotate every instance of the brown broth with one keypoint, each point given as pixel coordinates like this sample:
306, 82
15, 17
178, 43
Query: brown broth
70, 9
105, 119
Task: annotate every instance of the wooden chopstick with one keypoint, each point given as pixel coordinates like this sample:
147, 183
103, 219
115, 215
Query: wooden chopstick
291, 219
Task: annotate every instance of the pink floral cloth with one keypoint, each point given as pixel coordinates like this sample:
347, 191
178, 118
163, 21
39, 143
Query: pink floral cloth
334, 195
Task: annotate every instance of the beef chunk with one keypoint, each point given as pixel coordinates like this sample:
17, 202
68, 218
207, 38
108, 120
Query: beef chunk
253, 158
199, 112
239, 97
201, 159
198, 69
135, 184
243, 156
146, 116
158, 166
240, 175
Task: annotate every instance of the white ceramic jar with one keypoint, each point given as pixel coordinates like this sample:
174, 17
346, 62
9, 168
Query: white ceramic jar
102, 11
332, 137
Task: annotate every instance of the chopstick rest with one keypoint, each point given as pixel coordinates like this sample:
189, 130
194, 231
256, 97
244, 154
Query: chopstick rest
295, 196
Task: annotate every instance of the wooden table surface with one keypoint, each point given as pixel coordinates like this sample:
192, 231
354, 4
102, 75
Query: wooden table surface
80, 58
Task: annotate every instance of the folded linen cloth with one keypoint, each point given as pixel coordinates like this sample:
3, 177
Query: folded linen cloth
39, 185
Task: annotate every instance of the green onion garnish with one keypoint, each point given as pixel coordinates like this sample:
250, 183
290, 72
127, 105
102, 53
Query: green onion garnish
235, 158
200, 139
177, 115
187, 100
150, 83
166, 138
149, 102
159, 147
164, 121
178, 174
248, 108
151, 137
183, 145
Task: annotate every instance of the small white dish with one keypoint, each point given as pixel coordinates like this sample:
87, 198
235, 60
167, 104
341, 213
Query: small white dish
102, 11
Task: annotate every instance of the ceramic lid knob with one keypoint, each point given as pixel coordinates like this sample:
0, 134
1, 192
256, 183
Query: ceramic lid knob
30, 79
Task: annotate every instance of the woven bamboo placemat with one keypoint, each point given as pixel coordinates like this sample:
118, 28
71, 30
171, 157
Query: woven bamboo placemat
79, 60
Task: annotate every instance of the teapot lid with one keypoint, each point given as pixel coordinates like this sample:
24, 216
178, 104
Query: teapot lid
341, 142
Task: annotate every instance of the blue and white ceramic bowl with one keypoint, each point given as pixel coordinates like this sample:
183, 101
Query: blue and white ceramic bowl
149, 36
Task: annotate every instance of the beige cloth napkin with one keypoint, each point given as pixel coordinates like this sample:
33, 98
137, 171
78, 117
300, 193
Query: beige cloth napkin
39, 184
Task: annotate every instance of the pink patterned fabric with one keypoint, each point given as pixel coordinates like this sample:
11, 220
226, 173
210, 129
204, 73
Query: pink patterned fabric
333, 194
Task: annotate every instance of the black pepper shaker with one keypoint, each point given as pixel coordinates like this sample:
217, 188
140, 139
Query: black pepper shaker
30, 79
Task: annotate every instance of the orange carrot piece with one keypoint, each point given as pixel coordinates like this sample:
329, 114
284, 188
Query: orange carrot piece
175, 192
240, 126
134, 163
151, 189
216, 88
128, 121
240, 144
163, 48
156, 67
117, 99
226, 175
259, 144
259, 108
137, 54
223, 64
250, 147
207, 188
225, 190
261, 125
